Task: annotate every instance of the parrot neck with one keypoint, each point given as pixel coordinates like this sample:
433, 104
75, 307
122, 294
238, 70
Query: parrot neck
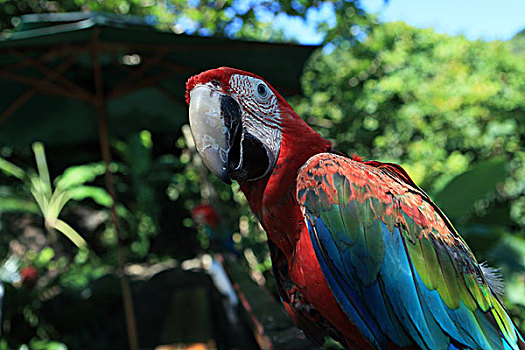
273, 199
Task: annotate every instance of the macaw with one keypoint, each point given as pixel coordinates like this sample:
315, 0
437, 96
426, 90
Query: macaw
359, 252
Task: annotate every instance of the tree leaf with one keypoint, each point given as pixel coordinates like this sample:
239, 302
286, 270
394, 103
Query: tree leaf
44, 257
460, 195
43, 170
97, 194
11, 169
69, 232
79, 175
16, 204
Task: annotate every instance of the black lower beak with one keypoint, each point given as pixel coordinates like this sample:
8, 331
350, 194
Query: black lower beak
248, 158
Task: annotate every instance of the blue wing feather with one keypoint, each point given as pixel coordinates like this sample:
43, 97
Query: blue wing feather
358, 314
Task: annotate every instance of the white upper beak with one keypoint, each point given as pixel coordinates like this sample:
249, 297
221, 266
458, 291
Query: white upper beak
208, 129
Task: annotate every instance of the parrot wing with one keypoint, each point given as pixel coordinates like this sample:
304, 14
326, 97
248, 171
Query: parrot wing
393, 260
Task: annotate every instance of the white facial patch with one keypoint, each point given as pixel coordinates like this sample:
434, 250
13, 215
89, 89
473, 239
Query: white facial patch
261, 116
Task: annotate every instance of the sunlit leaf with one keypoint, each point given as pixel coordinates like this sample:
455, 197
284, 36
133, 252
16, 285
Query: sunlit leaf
44, 256
460, 195
56, 203
11, 169
69, 232
15, 204
43, 171
47, 345
38, 195
79, 175
97, 194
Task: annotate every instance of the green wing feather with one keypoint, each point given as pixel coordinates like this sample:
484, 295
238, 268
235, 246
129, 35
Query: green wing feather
356, 203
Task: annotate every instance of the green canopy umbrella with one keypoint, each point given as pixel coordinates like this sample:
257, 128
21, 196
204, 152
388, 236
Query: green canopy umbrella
51, 89
77, 77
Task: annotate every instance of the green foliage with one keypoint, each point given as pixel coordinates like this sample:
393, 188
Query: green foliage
435, 102
141, 182
24, 303
463, 192
518, 43
138, 168
331, 344
231, 18
46, 345
15, 204
49, 201
44, 257
55, 269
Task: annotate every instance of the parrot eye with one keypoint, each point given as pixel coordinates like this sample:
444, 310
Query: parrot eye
262, 90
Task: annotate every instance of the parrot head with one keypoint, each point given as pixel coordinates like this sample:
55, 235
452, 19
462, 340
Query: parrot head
236, 122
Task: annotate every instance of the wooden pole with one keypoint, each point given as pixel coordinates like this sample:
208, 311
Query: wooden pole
106, 156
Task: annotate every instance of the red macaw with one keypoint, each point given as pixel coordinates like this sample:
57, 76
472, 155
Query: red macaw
359, 251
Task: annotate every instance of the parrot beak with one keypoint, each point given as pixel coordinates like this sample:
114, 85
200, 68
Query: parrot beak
230, 151
209, 130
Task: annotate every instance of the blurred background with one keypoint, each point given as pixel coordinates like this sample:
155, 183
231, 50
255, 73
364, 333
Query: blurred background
113, 235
